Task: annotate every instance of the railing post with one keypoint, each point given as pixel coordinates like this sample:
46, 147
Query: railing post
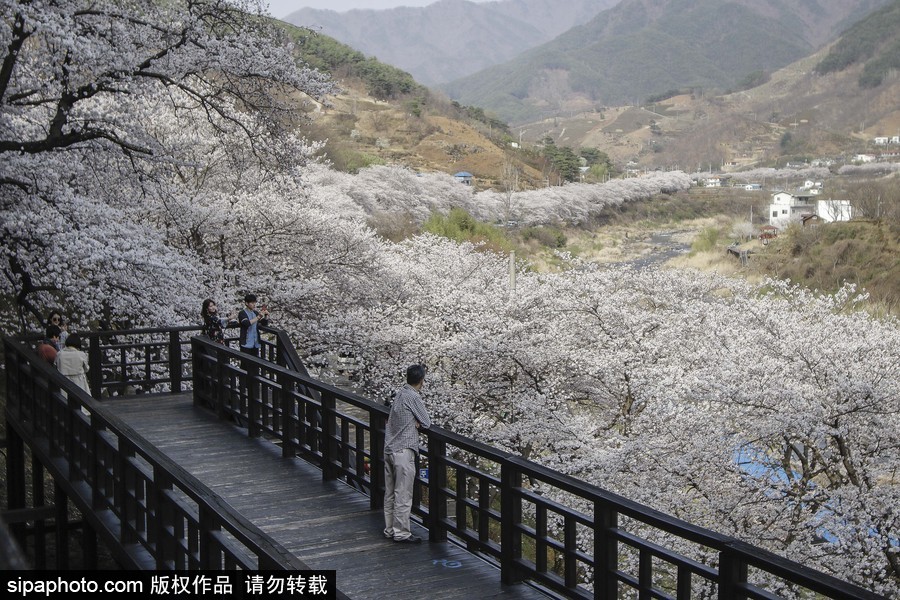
61, 502
209, 554
329, 431
510, 519
254, 397
606, 551
286, 406
280, 354
15, 479
95, 369
161, 519
69, 441
378, 422
37, 499
437, 479
223, 393
196, 375
95, 469
127, 511
175, 362
732, 573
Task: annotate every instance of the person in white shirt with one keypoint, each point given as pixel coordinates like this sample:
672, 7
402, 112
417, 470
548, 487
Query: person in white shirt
73, 363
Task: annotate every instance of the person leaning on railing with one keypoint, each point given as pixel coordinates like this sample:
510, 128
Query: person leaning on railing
401, 443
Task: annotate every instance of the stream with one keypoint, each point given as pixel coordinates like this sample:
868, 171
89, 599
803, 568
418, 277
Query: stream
663, 246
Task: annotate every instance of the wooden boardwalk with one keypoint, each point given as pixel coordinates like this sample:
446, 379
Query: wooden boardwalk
327, 525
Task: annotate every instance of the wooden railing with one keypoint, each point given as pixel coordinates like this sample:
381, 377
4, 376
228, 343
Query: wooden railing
150, 512
146, 361
573, 539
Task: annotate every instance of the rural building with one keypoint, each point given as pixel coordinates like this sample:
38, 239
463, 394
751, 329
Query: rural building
713, 181
787, 207
464, 177
834, 210
767, 232
810, 220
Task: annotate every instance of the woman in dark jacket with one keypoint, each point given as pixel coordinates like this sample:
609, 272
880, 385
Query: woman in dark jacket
213, 324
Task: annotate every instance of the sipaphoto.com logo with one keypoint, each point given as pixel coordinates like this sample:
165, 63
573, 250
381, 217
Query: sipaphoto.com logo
34, 584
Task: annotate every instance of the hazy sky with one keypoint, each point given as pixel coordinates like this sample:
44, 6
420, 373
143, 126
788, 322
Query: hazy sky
282, 8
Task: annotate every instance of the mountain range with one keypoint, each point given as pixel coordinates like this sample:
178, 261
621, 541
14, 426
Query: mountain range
644, 47
540, 58
831, 103
450, 39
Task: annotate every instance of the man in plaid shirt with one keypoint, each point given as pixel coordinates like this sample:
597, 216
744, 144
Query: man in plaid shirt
401, 443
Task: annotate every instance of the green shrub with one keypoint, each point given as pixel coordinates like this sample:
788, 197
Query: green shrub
351, 161
706, 240
551, 237
460, 226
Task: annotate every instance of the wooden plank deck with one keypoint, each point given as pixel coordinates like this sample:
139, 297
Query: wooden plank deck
328, 525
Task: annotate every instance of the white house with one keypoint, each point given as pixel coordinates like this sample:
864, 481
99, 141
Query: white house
881, 140
787, 207
713, 181
834, 210
814, 187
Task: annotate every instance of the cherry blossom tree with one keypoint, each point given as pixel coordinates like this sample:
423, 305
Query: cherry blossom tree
769, 414
400, 191
85, 87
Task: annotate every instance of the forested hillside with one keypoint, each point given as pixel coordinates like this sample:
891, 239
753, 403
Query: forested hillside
382, 81
873, 42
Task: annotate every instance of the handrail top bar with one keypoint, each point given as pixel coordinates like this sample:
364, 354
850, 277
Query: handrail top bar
238, 525
624, 506
136, 331
808, 577
465, 443
140, 331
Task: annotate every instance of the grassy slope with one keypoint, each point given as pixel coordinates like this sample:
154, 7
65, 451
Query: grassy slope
866, 253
